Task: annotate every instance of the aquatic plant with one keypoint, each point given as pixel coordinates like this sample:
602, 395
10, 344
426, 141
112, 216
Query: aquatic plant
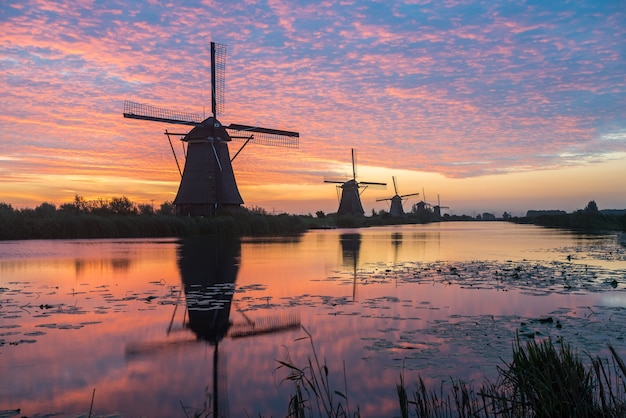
541, 380
314, 395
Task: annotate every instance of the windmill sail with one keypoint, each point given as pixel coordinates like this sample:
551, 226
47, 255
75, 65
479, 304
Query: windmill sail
218, 77
142, 111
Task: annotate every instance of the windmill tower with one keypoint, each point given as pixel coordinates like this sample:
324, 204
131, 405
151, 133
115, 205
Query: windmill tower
350, 203
396, 208
208, 182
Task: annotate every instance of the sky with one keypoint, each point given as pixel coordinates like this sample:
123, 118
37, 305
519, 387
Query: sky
486, 106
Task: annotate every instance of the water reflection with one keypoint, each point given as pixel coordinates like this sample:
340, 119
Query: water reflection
437, 301
208, 268
350, 248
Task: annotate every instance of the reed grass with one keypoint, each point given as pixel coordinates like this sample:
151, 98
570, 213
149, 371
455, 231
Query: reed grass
314, 394
542, 380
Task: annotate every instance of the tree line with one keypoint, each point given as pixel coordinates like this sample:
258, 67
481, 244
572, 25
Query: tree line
588, 219
119, 217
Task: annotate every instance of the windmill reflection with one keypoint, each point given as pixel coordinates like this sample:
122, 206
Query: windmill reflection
208, 268
396, 242
350, 249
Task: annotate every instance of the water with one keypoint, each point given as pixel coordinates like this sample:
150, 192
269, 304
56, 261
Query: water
163, 327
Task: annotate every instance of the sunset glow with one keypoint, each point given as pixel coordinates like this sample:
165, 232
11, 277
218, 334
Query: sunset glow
497, 106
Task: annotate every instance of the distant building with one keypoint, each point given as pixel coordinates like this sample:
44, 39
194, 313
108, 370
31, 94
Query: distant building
488, 216
535, 213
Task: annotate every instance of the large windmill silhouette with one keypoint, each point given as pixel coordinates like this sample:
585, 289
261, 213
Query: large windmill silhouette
350, 203
396, 209
208, 181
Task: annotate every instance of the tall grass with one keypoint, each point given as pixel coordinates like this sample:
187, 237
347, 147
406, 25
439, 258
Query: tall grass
542, 380
314, 395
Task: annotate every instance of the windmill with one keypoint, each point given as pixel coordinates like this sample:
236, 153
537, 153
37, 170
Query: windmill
350, 203
208, 181
422, 207
438, 207
396, 208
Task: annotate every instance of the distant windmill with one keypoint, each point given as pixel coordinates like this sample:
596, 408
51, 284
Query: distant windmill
350, 203
396, 208
208, 182
422, 207
438, 207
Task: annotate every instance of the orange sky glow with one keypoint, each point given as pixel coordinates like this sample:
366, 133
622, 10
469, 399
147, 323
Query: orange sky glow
488, 107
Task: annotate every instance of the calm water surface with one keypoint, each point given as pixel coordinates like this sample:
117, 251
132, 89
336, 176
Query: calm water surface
161, 327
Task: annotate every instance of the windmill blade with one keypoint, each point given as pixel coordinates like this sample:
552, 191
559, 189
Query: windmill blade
257, 129
141, 111
264, 136
410, 194
218, 77
371, 183
336, 180
387, 198
395, 186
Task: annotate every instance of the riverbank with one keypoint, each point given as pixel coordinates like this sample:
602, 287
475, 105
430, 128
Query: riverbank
120, 218
124, 220
580, 221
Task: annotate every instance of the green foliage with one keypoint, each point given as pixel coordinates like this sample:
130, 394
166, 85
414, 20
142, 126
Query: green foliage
166, 209
121, 218
541, 381
45, 210
550, 382
591, 207
314, 395
584, 220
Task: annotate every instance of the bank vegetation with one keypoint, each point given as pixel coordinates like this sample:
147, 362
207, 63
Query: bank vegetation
119, 217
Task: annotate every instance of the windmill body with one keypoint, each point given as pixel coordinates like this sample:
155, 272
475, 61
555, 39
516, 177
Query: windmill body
396, 208
350, 202
208, 182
